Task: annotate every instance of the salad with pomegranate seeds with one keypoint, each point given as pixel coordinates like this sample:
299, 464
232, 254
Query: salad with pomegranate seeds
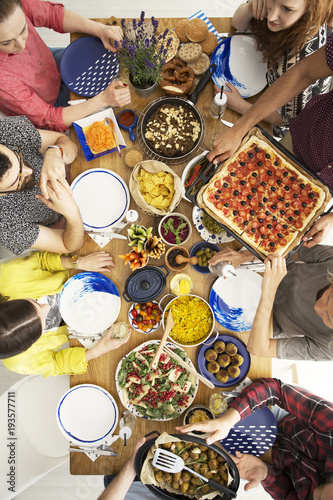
161, 394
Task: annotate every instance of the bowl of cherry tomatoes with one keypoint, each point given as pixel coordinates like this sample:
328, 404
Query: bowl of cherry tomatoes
145, 317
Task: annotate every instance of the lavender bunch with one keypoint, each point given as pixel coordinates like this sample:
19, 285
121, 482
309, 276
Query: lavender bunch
143, 54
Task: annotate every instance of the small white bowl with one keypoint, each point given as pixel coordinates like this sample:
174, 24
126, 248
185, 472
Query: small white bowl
131, 318
174, 242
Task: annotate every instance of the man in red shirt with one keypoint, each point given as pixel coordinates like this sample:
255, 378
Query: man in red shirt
302, 455
311, 130
29, 76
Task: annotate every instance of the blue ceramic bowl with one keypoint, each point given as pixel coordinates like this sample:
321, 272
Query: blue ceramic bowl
197, 248
130, 127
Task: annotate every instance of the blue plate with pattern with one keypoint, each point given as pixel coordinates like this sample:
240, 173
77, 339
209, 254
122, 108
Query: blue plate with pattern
235, 300
253, 435
239, 63
87, 67
89, 303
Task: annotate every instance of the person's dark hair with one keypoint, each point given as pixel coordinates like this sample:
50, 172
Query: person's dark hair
20, 326
7, 7
5, 164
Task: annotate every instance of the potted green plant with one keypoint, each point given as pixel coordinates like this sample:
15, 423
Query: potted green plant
142, 53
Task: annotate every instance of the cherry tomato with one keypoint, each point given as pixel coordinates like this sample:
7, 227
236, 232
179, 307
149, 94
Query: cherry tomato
145, 321
137, 307
150, 304
143, 307
140, 326
134, 313
149, 310
135, 322
144, 328
155, 311
153, 321
150, 326
139, 318
217, 184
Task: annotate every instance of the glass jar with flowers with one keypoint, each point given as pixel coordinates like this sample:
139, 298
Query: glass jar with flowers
142, 53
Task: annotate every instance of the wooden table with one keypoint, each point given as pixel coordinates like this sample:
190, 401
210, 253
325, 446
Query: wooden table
102, 370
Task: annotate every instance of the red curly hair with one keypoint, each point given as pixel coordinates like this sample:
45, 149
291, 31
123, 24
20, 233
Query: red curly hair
274, 45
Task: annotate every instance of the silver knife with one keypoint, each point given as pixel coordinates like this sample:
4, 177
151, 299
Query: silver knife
107, 234
91, 450
226, 123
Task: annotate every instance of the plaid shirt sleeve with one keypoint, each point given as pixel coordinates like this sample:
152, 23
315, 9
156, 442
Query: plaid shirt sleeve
308, 430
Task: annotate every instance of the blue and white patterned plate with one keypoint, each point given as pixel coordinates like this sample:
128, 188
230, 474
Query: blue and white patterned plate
253, 435
239, 63
235, 300
89, 303
131, 407
87, 415
87, 67
206, 235
102, 197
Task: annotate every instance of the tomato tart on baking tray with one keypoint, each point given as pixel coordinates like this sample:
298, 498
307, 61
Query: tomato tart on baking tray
264, 197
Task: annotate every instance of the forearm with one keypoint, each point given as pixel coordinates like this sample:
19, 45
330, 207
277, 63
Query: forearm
78, 111
69, 149
74, 23
242, 17
245, 106
121, 484
259, 342
292, 83
73, 233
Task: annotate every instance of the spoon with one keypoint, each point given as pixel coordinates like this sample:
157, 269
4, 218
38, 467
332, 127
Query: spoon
168, 327
107, 122
180, 259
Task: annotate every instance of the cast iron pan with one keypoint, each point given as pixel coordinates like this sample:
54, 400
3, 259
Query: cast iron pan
164, 494
189, 103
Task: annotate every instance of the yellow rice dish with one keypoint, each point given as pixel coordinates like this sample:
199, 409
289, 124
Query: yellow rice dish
193, 319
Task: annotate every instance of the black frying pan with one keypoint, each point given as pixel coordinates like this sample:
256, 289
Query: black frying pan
166, 495
189, 103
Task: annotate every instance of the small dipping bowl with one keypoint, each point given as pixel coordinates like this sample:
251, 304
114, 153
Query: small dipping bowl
176, 249
196, 413
127, 120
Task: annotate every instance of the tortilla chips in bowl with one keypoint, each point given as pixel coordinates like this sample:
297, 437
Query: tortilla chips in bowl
155, 187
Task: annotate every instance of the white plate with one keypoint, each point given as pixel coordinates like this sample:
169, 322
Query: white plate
206, 235
131, 407
235, 300
89, 302
239, 63
102, 197
187, 168
87, 414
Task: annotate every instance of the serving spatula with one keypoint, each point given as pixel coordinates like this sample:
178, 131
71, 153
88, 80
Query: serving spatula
169, 462
168, 327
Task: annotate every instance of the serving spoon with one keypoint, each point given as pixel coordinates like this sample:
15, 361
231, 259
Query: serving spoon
168, 327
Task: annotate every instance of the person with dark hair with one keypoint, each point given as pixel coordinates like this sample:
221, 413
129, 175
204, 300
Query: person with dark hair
30, 80
34, 193
285, 32
302, 455
31, 335
300, 300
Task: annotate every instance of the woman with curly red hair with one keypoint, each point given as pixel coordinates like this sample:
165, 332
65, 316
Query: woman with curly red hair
286, 31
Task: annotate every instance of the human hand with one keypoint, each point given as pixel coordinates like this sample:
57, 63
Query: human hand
320, 229
229, 255
117, 94
235, 101
224, 145
108, 33
275, 271
98, 262
53, 172
138, 445
323, 492
218, 428
259, 8
251, 469
66, 205
105, 344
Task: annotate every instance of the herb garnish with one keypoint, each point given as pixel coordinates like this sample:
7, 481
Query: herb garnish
168, 226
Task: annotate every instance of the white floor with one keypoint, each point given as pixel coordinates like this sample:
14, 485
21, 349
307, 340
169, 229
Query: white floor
59, 484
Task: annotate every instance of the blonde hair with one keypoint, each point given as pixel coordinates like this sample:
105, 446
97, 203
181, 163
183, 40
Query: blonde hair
274, 45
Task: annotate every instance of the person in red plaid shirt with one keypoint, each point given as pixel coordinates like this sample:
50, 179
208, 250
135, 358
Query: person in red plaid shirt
302, 455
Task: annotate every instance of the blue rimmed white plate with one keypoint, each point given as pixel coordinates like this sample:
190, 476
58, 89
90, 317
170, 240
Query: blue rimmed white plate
235, 300
87, 415
244, 367
223, 237
241, 64
87, 67
89, 302
131, 407
253, 435
102, 197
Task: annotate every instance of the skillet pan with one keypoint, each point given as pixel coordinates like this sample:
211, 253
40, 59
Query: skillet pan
188, 103
166, 495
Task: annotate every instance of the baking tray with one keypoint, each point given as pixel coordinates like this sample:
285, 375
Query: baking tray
211, 169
